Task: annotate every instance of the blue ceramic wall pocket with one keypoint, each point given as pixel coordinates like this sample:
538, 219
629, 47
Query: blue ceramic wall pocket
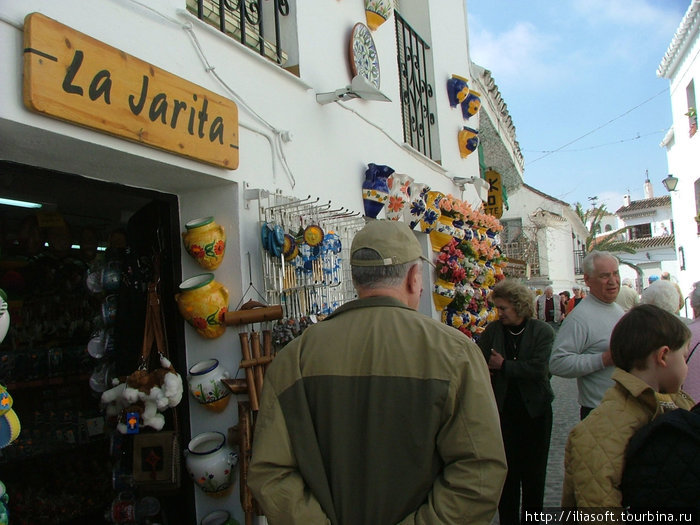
457, 90
375, 188
471, 104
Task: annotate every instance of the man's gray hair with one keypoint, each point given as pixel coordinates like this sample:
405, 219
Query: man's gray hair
695, 296
378, 276
590, 259
662, 294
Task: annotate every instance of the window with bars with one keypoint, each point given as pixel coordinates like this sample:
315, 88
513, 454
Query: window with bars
254, 23
417, 101
524, 249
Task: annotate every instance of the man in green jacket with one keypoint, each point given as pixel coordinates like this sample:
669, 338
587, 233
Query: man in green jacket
379, 415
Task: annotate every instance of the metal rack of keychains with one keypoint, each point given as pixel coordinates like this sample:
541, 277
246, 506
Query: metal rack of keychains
305, 245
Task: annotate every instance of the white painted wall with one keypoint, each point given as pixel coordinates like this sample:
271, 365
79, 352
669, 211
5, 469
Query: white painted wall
330, 149
683, 154
553, 232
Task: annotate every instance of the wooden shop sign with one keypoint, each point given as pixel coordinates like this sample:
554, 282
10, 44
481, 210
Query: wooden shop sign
71, 76
494, 205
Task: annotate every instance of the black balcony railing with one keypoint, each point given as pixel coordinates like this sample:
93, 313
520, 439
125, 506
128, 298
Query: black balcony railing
578, 261
254, 23
416, 89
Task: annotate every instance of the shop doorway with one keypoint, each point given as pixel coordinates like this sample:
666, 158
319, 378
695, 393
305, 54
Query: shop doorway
75, 272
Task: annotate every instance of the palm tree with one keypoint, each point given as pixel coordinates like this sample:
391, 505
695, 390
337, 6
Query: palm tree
610, 242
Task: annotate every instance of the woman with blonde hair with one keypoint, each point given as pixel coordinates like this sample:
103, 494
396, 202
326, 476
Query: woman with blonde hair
517, 349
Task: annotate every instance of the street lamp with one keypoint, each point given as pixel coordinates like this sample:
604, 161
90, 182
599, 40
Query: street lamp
670, 182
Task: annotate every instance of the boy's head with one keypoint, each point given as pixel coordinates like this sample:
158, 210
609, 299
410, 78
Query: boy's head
650, 336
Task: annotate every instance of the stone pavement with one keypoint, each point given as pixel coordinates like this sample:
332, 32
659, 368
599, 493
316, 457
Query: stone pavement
566, 414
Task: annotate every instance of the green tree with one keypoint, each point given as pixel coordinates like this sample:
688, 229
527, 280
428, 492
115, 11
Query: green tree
611, 242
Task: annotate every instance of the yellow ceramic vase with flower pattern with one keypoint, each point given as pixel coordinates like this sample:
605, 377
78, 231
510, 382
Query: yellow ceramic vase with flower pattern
202, 302
205, 241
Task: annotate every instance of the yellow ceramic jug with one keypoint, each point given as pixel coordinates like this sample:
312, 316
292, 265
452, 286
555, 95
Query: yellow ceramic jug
205, 241
202, 302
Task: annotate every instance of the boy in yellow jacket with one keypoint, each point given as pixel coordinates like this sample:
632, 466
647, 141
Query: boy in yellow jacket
649, 347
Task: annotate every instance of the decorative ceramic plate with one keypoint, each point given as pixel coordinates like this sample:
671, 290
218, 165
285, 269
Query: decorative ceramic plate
266, 236
313, 235
289, 245
363, 54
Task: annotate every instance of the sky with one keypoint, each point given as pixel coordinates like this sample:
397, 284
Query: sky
579, 79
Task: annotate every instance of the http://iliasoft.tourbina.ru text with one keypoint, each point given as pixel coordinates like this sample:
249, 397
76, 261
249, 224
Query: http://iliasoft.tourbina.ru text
557, 516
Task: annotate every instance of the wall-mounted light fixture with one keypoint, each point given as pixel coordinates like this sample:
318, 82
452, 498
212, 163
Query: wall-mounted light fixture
358, 88
480, 185
670, 182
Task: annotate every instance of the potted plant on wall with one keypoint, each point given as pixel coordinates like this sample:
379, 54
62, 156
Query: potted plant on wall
692, 115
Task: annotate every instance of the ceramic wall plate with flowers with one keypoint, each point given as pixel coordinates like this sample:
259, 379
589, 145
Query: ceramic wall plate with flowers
364, 60
415, 208
399, 195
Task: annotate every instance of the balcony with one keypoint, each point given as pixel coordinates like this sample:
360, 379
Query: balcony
578, 261
253, 23
416, 89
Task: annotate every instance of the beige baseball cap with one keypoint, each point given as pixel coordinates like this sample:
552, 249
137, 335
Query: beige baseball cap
394, 242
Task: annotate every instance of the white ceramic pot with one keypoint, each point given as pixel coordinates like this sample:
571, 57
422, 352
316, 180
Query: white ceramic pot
210, 463
205, 384
219, 517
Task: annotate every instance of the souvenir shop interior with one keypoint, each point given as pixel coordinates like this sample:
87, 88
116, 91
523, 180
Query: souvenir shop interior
76, 258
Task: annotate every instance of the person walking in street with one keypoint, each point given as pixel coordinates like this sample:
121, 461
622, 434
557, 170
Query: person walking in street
692, 382
649, 347
378, 414
577, 298
517, 349
665, 276
665, 295
628, 296
548, 308
581, 345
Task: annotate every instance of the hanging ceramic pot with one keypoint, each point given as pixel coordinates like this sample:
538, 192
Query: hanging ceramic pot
4, 316
443, 294
377, 12
432, 211
471, 104
210, 463
111, 276
219, 517
205, 241
416, 206
468, 140
399, 187
375, 188
202, 302
204, 381
443, 232
457, 90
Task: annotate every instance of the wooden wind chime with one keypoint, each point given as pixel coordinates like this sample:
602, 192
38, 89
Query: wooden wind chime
256, 357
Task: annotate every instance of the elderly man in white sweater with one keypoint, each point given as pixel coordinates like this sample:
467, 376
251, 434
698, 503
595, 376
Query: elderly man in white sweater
582, 345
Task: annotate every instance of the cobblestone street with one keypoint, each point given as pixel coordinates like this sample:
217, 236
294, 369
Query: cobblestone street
566, 415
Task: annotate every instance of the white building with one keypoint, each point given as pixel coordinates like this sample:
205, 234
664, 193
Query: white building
681, 67
548, 235
119, 136
649, 231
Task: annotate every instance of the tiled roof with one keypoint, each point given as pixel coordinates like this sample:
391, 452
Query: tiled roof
646, 204
543, 194
680, 41
645, 243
